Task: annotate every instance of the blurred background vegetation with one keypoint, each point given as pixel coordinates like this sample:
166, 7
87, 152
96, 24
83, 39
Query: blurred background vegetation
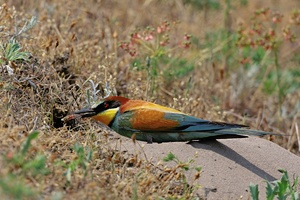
234, 60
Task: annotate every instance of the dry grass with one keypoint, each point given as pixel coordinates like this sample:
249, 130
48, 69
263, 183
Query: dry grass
77, 41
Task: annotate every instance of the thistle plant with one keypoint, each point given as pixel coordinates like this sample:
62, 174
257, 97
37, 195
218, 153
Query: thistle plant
267, 33
151, 48
154, 42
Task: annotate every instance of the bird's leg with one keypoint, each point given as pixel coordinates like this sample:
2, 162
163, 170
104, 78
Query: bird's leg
133, 137
149, 139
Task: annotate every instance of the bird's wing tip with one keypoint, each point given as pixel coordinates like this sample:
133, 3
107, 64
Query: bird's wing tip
244, 131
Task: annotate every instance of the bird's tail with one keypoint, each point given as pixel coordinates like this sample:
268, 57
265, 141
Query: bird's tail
243, 131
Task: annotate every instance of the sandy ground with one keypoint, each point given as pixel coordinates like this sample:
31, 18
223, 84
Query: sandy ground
228, 166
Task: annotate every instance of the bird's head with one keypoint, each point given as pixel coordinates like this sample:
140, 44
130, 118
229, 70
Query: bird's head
105, 111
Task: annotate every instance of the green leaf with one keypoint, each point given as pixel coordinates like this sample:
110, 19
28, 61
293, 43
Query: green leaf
37, 165
11, 51
295, 196
283, 186
258, 55
26, 145
198, 169
169, 157
270, 191
177, 68
295, 183
185, 167
14, 187
204, 4
89, 155
254, 191
69, 174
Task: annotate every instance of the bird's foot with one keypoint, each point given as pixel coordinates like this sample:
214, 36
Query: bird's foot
149, 139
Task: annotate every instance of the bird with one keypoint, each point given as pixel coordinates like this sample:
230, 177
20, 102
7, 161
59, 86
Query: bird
146, 121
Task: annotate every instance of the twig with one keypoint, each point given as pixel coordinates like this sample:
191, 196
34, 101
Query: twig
289, 145
298, 135
167, 92
35, 123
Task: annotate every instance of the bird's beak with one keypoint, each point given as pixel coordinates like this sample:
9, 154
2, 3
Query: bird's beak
86, 112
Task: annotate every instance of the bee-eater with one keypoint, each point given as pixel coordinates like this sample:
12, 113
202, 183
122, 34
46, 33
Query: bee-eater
151, 122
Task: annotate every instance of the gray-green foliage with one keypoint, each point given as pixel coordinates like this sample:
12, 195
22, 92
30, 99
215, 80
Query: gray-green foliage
11, 49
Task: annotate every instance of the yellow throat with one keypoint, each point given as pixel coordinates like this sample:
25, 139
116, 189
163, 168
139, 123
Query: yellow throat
106, 116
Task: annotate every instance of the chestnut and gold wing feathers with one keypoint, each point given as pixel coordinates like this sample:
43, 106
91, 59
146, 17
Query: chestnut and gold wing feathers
143, 116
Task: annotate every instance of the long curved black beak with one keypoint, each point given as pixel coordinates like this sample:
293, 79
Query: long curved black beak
86, 112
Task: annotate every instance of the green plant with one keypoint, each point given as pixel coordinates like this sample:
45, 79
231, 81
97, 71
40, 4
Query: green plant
11, 51
15, 187
282, 188
81, 160
203, 4
183, 166
254, 191
22, 166
35, 165
289, 82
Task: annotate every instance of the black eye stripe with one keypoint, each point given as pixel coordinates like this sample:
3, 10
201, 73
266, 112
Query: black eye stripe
115, 104
107, 105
